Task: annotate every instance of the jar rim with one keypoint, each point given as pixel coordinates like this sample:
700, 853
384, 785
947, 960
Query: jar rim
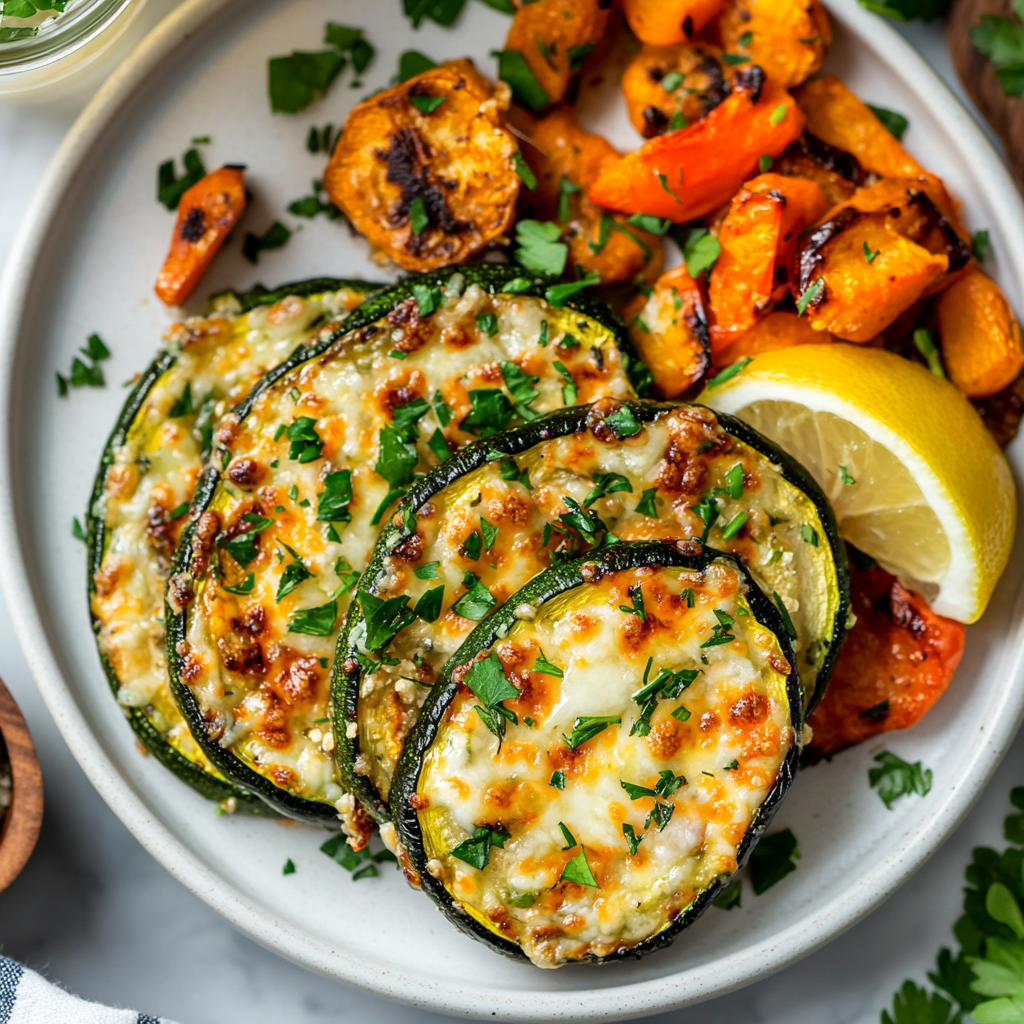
67, 32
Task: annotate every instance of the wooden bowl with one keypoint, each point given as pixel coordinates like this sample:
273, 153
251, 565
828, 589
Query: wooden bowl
21, 822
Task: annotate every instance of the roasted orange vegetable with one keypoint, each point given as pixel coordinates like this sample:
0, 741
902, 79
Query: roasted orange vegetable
857, 275
779, 329
896, 662
665, 22
428, 188
670, 87
688, 173
566, 161
554, 36
835, 171
841, 119
1003, 412
788, 38
981, 341
758, 237
669, 329
206, 214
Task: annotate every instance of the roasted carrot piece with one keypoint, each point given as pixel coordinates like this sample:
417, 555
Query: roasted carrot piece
779, 329
688, 173
836, 115
981, 339
428, 183
206, 214
664, 22
896, 662
566, 161
670, 331
788, 38
670, 87
835, 171
757, 237
554, 36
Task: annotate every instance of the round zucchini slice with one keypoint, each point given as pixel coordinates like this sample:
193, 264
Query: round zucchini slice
144, 485
600, 756
309, 468
502, 510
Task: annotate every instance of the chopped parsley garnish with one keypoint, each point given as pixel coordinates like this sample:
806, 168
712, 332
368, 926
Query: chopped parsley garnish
488, 323
730, 896
476, 851
513, 69
707, 509
869, 254
623, 423
632, 838
244, 547
720, 634
559, 294
442, 12
979, 245
772, 860
701, 250
566, 188
362, 864
333, 501
731, 765
442, 410
895, 124
729, 372
177, 513
471, 546
746, 39
577, 54
814, 291
578, 871
385, 618
77, 532
317, 621
182, 405
396, 458
635, 792
545, 667
510, 471
734, 525
844, 475
489, 532
735, 59
306, 444
296, 80
428, 298
427, 104
294, 573
895, 778
809, 535
428, 607
528, 178
787, 622
439, 446
557, 779
313, 205
926, 346
418, 218
764, 164
85, 374
322, 140
646, 505
520, 387
607, 483
274, 237
663, 181
570, 839
427, 571
681, 714
651, 224
636, 594
289, 867
876, 711
487, 680
490, 411
660, 815
672, 81
169, 187
586, 727
569, 392
412, 63
476, 602
778, 115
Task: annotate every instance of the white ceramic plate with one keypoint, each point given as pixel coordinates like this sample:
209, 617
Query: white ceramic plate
86, 260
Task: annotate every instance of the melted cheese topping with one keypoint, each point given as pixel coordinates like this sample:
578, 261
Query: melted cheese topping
153, 474
679, 458
728, 750
264, 688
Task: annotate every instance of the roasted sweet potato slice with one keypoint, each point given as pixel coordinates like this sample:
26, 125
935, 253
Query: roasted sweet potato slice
836, 115
670, 87
896, 662
688, 173
566, 161
206, 214
981, 340
428, 184
837, 173
758, 237
779, 329
554, 37
788, 38
670, 331
665, 22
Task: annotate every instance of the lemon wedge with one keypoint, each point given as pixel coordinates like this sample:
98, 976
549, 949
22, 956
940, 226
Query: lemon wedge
915, 479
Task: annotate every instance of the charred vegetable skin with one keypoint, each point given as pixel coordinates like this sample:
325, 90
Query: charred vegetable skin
556, 581
492, 278
425, 170
401, 526
207, 784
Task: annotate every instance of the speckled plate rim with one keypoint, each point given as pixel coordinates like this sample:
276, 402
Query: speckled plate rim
908, 850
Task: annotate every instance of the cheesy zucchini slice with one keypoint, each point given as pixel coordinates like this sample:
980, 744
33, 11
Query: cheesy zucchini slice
502, 510
142, 492
599, 757
312, 464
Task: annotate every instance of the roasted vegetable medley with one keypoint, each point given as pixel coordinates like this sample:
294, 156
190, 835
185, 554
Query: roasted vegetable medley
554, 560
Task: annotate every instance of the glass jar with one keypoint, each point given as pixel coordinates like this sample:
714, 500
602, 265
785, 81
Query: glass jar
69, 52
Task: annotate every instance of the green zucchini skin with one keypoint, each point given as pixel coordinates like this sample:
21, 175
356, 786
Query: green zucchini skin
346, 672
259, 295
204, 783
492, 278
554, 581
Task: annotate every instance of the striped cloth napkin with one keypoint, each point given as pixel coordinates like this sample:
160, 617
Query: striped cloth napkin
27, 998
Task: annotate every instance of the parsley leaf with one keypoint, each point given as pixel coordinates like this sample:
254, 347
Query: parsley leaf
476, 602
428, 607
623, 423
169, 187
607, 483
513, 69
578, 870
701, 250
979, 245
557, 779
317, 621
426, 571
520, 387
412, 63
586, 727
539, 247
913, 1005
559, 294
569, 391
729, 372
306, 444
814, 291
294, 574
730, 896
273, 238
486, 678
635, 792
384, 618
632, 838
528, 178
545, 667
772, 860
293, 82
332, 504
476, 851
637, 595
490, 411
895, 778
396, 458
926, 346
646, 506
566, 188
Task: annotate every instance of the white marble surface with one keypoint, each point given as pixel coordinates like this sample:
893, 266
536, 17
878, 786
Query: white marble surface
94, 912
